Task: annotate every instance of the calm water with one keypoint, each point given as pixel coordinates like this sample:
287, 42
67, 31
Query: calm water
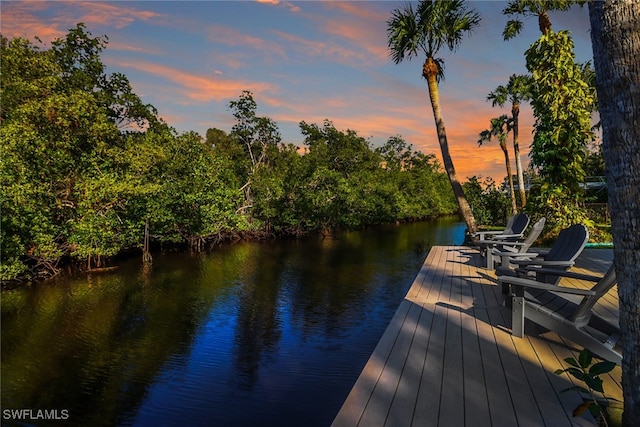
254, 334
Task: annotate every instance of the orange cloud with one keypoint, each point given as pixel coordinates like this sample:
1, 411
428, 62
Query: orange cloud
361, 27
199, 88
318, 48
128, 47
115, 15
232, 37
292, 7
19, 18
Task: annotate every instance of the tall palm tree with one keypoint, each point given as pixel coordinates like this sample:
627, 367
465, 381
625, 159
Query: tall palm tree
516, 91
615, 36
427, 29
500, 127
538, 8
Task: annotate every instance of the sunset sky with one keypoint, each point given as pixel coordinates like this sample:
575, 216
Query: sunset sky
303, 60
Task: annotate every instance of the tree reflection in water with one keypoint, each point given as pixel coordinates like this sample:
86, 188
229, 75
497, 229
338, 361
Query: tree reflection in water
261, 333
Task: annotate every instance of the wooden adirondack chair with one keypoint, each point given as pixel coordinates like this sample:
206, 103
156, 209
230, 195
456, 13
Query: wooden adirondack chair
576, 322
562, 255
516, 225
504, 249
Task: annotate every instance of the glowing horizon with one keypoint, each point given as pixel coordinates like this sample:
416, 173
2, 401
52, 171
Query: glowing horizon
303, 61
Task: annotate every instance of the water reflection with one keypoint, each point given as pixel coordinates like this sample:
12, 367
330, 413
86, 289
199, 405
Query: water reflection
267, 333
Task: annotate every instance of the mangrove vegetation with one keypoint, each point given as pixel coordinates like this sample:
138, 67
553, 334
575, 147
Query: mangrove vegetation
88, 169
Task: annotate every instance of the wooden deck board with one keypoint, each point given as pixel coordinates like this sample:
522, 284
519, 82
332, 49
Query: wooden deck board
448, 358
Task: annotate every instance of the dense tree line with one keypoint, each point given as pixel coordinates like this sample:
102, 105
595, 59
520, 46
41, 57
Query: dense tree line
87, 167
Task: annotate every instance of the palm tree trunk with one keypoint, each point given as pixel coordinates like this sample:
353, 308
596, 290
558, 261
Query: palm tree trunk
430, 73
515, 112
544, 23
615, 36
514, 207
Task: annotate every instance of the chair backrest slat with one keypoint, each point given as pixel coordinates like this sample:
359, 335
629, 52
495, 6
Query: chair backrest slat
535, 232
508, 229
569, 244
520, 223
582, 315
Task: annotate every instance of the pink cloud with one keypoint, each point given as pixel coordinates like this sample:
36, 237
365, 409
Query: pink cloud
20, 18
322, 49
291, 6
115, 15
199, 88
232, 37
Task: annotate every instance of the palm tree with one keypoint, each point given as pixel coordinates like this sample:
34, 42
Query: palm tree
615, 35
517, 90
538, 8
427, 29
500, 127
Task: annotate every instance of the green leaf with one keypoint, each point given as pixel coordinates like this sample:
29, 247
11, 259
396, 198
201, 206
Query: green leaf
601, 368
594, 383
571, 361
578, 373
585, 358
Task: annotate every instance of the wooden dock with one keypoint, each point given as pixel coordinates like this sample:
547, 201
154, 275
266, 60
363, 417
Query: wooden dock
448, 358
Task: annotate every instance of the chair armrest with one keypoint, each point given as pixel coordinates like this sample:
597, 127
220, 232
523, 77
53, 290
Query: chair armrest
514, 243
490, 232
496, 252
506, 236
484, 233
528, 283
489, 242
525, 258
542, 263
568, 274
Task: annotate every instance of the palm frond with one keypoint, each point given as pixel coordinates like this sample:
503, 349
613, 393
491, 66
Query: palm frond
404, 38
499, 128
515, 7
427, 28
512, 29
440, 63
498, 96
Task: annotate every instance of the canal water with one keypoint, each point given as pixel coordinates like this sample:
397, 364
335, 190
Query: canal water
271, 333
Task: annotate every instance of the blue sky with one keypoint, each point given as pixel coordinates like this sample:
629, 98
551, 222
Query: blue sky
303, 60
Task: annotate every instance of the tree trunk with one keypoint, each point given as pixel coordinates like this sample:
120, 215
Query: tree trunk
515, 112
503, 146
146, 250
615, 36
430, 71
544, 23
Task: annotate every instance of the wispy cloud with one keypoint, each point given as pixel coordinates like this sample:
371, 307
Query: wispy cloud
20, 19
290, 6
115, 14
314, 48
364, 28
198, 88
232, 37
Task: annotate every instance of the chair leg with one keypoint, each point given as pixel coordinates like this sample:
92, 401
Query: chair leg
504, 261
506, 295
489, 257
517, 316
